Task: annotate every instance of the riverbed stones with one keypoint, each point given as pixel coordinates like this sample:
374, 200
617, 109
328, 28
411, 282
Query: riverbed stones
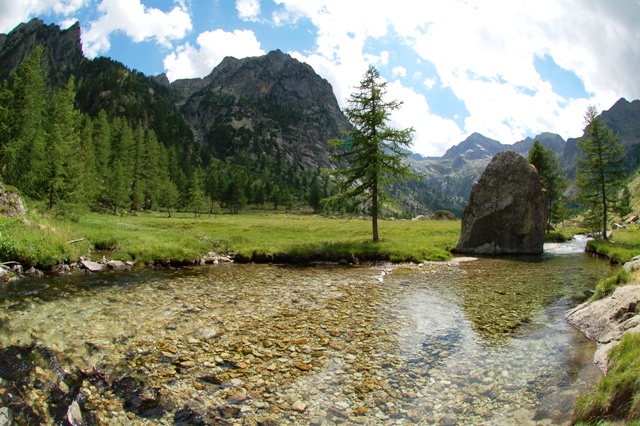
374, 357
507, 210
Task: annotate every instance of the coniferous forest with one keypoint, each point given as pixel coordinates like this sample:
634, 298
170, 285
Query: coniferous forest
106, 141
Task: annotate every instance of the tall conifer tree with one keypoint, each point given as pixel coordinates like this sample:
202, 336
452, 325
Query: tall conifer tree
371, 156
63, 166
600, 175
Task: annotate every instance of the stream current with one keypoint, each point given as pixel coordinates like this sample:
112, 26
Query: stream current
464, 342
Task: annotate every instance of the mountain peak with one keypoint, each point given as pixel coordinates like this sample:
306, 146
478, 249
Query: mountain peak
475, 147
62, 49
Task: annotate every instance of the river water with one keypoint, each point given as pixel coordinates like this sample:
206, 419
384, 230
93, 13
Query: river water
465, 342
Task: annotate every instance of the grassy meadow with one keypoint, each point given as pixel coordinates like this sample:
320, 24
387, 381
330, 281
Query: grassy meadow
251, 236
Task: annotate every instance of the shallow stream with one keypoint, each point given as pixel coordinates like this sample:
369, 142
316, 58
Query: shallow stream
466, 342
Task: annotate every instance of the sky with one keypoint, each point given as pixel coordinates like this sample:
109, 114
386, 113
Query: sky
505, 69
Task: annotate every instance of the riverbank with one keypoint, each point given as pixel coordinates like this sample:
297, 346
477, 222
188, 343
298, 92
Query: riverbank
612, 319
155, 239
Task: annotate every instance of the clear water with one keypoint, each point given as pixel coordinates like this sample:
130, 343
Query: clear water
478, 342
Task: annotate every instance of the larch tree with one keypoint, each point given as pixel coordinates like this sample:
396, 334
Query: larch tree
371, 155
600, 174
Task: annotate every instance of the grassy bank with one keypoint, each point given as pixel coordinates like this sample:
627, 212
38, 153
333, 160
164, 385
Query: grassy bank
255, 236
624, 245
617, 396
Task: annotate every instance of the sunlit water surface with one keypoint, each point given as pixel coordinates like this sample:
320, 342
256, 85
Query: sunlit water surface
477, 342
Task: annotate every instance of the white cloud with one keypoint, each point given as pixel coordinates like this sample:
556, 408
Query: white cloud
429, 83
484, 51
189, 62
398, 71
248, 10
14, 12
433, 134
138, 22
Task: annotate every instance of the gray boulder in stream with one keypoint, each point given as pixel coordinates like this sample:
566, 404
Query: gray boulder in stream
506, 213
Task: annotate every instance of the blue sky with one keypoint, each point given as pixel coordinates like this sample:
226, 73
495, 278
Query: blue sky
507, 70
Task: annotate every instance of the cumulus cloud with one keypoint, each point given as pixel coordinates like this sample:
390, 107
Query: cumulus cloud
484, 52
14, 12
138, 22
213, 46
248, 10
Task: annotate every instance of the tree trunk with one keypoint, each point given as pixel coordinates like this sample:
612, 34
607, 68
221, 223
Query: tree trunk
374, 212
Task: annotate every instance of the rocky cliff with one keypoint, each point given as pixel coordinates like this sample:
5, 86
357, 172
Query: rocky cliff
62, 49
272, 106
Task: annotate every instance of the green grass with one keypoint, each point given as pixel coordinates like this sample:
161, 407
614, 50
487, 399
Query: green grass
617, 397
254, 236
606, 286
36, 242
624, 245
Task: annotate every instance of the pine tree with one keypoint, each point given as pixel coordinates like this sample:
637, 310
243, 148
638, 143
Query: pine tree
87, 156
63, 168
102, 147
314, 195
371, 156
196, 195
554, 182
138, 186
22, 148
120, 173
600, 171
153, 153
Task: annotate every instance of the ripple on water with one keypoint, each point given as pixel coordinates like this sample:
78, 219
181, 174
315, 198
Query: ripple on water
481, 342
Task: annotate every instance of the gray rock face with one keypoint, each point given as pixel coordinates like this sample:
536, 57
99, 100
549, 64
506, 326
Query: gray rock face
62, 49
506, 213
272, 105
607, 320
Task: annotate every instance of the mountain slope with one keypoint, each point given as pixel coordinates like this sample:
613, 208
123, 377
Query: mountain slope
272, 106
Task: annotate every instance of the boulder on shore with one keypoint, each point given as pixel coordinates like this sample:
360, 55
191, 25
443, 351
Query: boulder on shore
507, 210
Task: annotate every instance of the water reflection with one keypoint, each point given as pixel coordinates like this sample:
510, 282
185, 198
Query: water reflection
482, 342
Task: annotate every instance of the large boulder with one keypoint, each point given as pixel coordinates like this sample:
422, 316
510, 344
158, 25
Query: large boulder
507, 212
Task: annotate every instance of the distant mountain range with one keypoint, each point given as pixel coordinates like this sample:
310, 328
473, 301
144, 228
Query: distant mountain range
267, 113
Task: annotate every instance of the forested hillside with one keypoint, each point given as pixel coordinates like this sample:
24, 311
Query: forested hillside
122, 144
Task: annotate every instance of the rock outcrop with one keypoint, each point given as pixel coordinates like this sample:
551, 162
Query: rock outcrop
62, 49
506, 213
607, 320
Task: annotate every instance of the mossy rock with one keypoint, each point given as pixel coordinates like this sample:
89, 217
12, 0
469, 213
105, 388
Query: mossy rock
11, 204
